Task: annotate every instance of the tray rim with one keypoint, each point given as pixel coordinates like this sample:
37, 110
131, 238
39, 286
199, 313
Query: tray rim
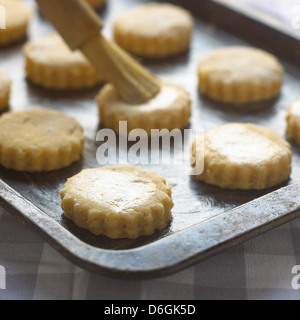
287, 44
165, 256
255, 14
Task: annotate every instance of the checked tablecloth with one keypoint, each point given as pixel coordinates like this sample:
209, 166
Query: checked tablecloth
258, 269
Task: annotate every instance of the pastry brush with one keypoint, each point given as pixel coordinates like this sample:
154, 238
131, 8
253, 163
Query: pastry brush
80, 27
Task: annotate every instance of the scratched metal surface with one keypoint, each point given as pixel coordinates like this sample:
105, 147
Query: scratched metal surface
195, 202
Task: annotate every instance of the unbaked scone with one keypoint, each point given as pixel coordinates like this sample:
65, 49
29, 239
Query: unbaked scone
5, 84
240, 75
119, 201
243, 156
17, 18
97, 4
169, 109
293, 121
154, 30
39, 140
51, 64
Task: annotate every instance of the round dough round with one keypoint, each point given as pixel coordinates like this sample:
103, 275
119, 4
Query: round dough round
97, 4
118, 201
243, 156
293, 121
240, 75
51, 64
170, 109
5, 84
17, 16
39, 140
154, 30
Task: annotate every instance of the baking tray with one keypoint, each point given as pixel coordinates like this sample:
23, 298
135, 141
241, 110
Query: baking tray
264, 28
206, 219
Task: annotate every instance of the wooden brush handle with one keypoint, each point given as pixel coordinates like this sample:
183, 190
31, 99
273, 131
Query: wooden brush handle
75, 20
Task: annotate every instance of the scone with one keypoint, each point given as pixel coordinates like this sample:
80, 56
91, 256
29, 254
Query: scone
243, 156
5, 84
118, 201
169, 109
97, 4
52, 65
293, 121
154, 30
39, 140
17, 18
240, 75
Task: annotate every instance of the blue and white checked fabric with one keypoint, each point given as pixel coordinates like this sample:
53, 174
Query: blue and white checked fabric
260, 269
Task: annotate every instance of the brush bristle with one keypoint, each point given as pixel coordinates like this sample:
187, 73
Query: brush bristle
134, 83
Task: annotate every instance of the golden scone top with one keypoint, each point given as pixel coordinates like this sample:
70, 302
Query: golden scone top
113, 190
163, 100
241, 64
17, 14
170, 109
52, 50
119, 201
240, 75
40, 125
39, 140
242, 145
243, 156
154, 30
51, 64
155, 20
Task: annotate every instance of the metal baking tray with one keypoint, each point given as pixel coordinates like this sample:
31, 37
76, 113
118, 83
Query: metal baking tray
206, 219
